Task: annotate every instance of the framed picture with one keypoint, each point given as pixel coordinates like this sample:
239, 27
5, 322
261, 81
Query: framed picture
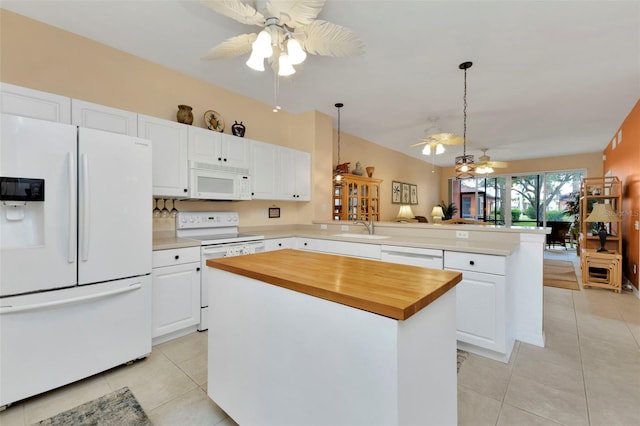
413, 194
405, 193
274, 212
396, 192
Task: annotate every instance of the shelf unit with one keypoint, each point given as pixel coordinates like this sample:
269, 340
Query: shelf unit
600, 190
357, 198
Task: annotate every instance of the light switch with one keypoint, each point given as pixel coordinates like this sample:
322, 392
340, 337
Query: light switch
636, 225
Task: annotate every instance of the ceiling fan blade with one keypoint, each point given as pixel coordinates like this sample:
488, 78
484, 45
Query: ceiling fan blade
235, 9
327, 39
497, 164
419, 143
295, 13
234, 46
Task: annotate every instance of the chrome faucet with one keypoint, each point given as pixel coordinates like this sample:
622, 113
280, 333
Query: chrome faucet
369, 225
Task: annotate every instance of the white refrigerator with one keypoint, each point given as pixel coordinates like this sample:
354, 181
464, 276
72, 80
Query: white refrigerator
75, 254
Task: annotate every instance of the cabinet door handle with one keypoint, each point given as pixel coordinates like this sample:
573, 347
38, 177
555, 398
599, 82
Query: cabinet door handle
471, 262
184, 190
280, 244
198, 269
177, 257
305, 244
224, 159
219, 158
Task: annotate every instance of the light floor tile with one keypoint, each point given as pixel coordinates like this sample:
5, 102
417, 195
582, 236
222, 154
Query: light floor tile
196, 368
13, 416
51, 403
511, 416
185, 348
485, 376
192, 408
476, 409
569, 408
550, 374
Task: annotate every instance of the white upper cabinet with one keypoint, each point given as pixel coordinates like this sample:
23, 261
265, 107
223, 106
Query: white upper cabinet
280, 173
100, 117
264, 171
169, 142
31, 103
217, 148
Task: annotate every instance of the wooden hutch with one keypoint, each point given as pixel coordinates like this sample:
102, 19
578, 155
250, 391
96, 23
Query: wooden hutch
356, 198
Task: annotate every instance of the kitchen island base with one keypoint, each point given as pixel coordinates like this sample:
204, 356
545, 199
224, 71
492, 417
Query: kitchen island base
277, 356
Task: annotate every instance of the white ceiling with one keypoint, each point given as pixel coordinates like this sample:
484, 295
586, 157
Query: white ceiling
549, 77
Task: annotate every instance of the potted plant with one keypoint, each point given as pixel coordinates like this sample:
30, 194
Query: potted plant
449, 210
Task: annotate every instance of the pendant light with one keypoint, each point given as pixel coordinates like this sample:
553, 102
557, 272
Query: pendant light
465, 163
337, 173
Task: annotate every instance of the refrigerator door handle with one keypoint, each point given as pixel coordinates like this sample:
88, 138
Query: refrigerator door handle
36, 306
71, 243
84, 214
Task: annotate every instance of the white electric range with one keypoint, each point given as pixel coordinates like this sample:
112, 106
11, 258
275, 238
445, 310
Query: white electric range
219, 237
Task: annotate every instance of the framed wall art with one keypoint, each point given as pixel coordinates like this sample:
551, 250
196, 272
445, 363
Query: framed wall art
404, 193
396, 192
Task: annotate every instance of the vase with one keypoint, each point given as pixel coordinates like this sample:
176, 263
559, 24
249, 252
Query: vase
184, 114
370, 170
238, 129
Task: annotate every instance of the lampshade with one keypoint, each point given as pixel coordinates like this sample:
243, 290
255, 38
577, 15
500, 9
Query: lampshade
296, 54
262, 45
285, 67
255, 61
405, 213
437, 214
603, 213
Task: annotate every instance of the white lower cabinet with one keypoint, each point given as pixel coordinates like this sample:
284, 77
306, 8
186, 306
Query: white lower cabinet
279, 244
175, 293
482, 302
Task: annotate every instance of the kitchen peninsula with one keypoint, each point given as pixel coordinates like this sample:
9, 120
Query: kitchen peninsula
300, 337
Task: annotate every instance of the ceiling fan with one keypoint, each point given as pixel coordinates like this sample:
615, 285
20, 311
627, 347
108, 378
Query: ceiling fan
435, 139
486, 166
290, 31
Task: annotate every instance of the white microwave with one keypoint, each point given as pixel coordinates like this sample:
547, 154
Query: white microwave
211, 182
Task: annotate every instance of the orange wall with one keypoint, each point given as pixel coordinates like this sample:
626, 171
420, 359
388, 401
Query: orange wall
622, 159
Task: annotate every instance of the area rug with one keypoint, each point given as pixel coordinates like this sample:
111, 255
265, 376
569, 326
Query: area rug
462, 355
117, 408
560, 274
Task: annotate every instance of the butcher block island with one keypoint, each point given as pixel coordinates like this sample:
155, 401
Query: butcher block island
300, 338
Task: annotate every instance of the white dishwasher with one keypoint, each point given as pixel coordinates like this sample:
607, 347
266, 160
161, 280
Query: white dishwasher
427, 258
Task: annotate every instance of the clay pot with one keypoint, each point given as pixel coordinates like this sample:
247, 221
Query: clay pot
184, 114
370, 170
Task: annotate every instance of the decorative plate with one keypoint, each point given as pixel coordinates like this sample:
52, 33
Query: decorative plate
214, 121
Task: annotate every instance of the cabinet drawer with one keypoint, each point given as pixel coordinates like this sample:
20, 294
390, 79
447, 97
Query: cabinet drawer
475, 262
175, 256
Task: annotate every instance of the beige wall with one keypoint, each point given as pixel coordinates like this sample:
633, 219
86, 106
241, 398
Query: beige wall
390, 166
592, 163
44, 58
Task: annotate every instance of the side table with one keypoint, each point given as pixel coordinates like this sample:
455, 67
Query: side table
602, 269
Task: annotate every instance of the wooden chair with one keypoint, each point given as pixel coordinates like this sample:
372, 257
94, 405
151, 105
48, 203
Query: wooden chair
559, 233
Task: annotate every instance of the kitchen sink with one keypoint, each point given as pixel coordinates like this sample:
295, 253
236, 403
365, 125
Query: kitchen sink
362, 236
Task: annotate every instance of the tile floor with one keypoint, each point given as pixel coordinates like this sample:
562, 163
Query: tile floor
588, 373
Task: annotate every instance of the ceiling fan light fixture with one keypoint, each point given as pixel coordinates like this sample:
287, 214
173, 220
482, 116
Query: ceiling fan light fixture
439, 149
426, 150
285, 67
295, 52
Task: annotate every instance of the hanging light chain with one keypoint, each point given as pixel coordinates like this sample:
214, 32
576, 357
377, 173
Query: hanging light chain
464, 109
339, 105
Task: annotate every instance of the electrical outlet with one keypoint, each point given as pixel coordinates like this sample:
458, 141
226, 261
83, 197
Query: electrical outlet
462, 234
635, 268
323, 226
344, 227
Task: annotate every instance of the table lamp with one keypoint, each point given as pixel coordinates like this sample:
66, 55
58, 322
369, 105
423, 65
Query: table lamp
405, 213
437, 214
602, 213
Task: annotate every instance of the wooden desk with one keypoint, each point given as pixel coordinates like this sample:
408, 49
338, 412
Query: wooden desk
602, 269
